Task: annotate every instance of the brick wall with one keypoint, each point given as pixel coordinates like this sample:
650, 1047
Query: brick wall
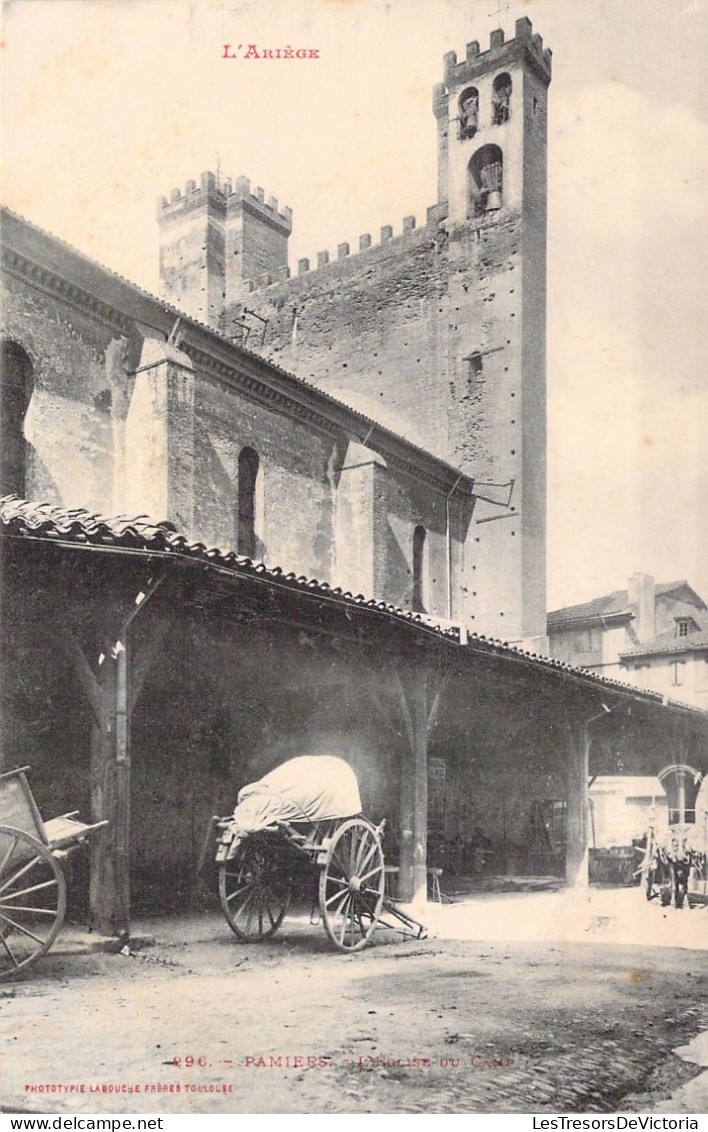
123, 421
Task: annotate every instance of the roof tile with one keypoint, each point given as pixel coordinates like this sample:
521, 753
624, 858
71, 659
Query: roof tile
23, 518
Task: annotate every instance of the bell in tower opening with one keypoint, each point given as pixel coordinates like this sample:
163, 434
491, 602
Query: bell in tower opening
469, 113
501, 99
486, 180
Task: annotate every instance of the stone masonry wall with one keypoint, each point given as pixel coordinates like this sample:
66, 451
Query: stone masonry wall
74, 420
120, 421
367, 327
392, 330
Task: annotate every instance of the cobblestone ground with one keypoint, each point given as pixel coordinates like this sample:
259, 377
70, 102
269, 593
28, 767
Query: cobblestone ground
447, 1025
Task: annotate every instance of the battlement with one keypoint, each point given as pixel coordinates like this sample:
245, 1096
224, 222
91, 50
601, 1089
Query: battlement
499, 53
324, 259
224, 195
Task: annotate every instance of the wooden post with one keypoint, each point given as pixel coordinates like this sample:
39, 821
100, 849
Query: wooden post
112, 694
121, 683
103, 800
576, 850
413, 876
121, 914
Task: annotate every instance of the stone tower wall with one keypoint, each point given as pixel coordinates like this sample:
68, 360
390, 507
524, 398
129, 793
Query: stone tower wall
439, 332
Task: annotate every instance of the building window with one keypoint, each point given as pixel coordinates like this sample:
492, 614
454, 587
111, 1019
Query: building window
17, 384
469, 112
485, 180
501, 99
419, 600
248, 464
682, 626
678, 671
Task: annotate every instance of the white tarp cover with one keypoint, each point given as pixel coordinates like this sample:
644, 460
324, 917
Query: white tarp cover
309, 788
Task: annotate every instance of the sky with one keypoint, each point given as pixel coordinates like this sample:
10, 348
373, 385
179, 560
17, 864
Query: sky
109, 103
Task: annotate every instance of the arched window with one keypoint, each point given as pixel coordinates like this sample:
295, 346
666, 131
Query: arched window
420, 572
469, 112
247, 477
501, 99
485, 180
17, 384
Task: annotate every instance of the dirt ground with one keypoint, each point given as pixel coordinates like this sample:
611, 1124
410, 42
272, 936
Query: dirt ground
516, 1003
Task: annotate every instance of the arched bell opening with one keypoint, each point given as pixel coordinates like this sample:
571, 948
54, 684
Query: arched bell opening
485, 181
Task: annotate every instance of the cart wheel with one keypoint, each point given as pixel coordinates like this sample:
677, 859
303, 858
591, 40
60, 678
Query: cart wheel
254, 892
352, 885
32, 900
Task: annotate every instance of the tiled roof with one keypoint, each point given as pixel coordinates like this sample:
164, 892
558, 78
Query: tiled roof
141, 533
669, 643
611, 604
79, 526
614, 604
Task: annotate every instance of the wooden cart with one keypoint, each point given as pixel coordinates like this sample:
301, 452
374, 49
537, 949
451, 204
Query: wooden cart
32, 883
345, 859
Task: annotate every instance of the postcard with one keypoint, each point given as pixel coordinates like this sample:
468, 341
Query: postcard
355, 565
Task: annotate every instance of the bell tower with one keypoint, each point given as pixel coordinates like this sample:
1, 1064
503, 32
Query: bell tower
491, 113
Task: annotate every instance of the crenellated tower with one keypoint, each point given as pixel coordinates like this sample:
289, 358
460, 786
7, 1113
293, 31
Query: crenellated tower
217, 239
492, 113
437, 331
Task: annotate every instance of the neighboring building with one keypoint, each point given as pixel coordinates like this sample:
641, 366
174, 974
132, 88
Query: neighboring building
621, 808
674, 662
609, 634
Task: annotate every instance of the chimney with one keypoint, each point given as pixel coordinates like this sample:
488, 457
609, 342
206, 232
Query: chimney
640, 591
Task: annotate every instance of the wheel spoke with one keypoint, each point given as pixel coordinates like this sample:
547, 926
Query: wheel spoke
344, 922
351, 885
238, 911
31, 924
339, 881
352, 922
238, 891
6, 858
8, 949
249, 919
20, 928
260, 898
344, 868
362, 929
26, 908
53, 883
371, 873
20, 873
363, 863
337, 896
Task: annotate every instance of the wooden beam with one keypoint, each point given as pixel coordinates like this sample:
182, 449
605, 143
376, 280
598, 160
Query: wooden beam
435, 706
84, 673
142, 658
577, 802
